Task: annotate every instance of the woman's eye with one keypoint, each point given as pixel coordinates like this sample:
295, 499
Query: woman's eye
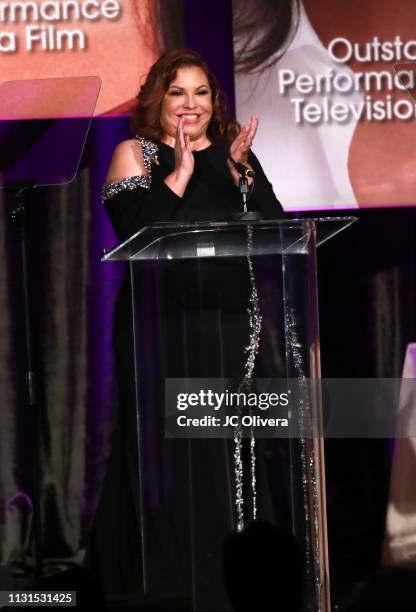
175, 92
203, 92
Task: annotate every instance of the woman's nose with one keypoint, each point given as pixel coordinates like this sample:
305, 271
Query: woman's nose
190, 101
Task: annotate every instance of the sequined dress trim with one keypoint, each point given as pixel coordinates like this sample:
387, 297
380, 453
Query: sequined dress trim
150, 156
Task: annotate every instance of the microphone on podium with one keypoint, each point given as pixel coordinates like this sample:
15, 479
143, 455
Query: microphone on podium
245, 173
242, 169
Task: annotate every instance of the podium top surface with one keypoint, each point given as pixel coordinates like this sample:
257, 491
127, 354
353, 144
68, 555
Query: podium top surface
171, 240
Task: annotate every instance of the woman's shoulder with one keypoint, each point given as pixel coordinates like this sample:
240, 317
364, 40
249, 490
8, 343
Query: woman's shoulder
136, 153
130, 166
133, 156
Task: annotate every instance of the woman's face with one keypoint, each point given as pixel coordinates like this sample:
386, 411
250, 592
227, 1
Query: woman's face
189, 95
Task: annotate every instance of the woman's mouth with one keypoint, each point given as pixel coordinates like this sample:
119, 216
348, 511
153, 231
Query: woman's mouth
190, 118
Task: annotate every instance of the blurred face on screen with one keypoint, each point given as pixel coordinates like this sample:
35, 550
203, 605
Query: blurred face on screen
112, 39
382, 158
188, 96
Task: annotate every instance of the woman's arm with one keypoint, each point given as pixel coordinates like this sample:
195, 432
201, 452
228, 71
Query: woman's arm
131, 198
263, 197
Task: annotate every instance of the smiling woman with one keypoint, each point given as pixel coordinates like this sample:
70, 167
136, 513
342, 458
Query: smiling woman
176, 168
181, 111
163, 84
189, 100
181, 105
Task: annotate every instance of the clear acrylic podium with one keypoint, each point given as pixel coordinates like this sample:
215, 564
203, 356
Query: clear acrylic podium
190, 297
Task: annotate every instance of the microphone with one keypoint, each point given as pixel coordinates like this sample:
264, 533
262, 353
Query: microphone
245, 173
242, 170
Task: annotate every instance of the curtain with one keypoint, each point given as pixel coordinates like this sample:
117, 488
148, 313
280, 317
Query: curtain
72, 295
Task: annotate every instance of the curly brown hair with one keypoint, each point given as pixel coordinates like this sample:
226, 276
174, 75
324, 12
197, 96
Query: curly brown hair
146, 116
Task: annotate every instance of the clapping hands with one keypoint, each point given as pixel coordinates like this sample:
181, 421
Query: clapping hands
240, 147
184, 159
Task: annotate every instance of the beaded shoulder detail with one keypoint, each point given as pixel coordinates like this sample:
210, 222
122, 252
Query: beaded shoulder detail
150, 156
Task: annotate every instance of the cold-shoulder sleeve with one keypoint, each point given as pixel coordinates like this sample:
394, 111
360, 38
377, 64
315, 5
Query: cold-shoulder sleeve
137, 201
263, 197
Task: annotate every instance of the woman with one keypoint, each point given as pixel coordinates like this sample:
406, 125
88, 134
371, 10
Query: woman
182, 116
176, 168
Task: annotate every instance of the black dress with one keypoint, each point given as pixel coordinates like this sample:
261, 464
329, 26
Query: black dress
114, 552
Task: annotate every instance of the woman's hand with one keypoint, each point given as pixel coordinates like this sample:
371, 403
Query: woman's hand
240, 147
184, 162
184, 159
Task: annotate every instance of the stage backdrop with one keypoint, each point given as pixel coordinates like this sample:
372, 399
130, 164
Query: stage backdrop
116, 40
337, 124
367, 298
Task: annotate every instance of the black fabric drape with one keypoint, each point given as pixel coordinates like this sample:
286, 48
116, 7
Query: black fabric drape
367, 299
66, 348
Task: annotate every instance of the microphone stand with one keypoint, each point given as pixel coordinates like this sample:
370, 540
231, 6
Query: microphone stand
18, 214
244, 190
245, 173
